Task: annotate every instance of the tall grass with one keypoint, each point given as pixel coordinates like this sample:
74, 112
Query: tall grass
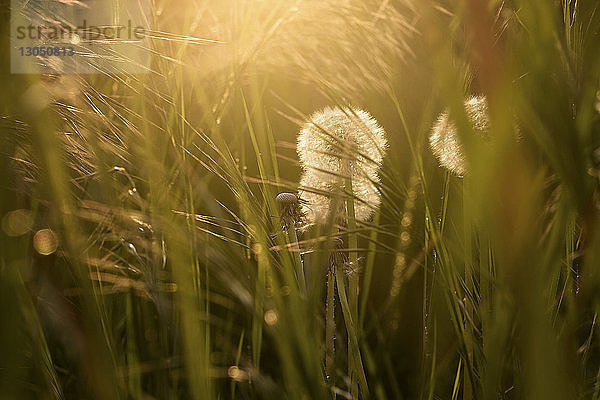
176, 274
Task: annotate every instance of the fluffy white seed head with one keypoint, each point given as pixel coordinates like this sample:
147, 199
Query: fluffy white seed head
333, 145
445, 142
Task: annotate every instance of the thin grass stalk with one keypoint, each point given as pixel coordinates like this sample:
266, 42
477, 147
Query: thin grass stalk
353, 351
366, 286
330, 328
485, 285
104, 386
353, 284
388, 366
259, 299
193, 314
470, 289
202, 277
456, 386
298, 265
428, 357
133, 377
180, 240
431, 389
596, 394
290, 216
337, 258
441, 255
445, 201
259, 294
238, 355
296, 337
32, 320
293, 334
201, 289
450, 279
429, 350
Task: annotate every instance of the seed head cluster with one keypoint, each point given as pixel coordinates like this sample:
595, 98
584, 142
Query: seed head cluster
445, 142
336, 144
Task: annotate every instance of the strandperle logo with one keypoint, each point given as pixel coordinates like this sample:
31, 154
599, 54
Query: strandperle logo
95, 36
57, 31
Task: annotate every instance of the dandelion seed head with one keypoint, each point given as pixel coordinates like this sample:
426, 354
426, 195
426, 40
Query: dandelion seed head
286, 199
333, 145
291, 212
445, 142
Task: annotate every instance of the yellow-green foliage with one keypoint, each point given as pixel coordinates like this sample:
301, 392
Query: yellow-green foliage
143, 254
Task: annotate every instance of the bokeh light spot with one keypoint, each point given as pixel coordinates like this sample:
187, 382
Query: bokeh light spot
237, 374
17, 222
45, 242
271, 317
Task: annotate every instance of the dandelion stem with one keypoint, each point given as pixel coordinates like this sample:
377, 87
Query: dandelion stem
366, 285
288, 203
353, 353
330, 325
469, 298
293, 239
353, 282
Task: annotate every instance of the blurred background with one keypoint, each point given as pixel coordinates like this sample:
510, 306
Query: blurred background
142, 250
